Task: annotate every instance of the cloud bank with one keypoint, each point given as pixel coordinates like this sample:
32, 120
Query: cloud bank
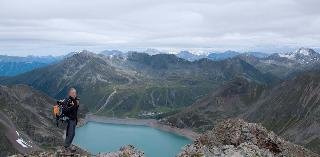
58, 26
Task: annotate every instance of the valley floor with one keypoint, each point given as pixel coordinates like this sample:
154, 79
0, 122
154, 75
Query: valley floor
145, 122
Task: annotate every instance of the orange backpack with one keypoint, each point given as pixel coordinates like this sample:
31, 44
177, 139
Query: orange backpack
56, 110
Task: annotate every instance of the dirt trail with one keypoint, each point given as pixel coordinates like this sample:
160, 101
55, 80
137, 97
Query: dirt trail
107, 101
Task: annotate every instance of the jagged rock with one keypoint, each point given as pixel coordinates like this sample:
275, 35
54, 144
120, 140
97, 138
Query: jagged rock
126, 151
235, 137
57, 152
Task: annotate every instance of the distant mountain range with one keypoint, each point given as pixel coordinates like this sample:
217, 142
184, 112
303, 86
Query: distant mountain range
14, 65
223, 55
302, 55
190, 56
113, 53
216, 56
135, 74
156, 83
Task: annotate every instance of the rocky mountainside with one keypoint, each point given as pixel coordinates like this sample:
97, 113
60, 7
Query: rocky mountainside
231, 54
273, 64
181, 82
85, 71
230, 100
302, 56
26, 121
235, 137
291, 109
285, 64
137, 84
170, 67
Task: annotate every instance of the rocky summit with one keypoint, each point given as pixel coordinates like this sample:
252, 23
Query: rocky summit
235, 137
126, 151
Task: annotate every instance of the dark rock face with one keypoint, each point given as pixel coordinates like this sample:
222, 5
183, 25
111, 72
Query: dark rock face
235, 137
25, 115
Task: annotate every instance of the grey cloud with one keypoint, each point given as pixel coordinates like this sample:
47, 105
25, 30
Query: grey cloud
48, 26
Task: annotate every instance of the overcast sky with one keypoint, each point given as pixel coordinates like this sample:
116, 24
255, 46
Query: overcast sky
57, 27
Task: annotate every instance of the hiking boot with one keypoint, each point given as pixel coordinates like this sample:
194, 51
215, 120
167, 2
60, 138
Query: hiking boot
73, 149
66, 150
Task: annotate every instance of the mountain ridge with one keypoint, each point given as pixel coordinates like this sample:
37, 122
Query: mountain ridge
163, 78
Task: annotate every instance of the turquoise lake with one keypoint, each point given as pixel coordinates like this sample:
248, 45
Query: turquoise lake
102, 137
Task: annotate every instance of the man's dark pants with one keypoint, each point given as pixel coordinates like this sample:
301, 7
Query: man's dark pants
71, 128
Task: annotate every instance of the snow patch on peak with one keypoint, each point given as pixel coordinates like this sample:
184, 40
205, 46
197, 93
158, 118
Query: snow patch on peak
302, 55
287, 55
304, 51
300, 51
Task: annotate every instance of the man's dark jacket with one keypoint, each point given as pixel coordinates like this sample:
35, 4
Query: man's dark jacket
70, 108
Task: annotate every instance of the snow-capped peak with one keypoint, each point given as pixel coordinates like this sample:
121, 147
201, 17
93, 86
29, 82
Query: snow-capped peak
305, 51
302, 55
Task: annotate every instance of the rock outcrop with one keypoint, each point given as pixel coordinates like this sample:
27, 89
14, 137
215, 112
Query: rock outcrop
126, 151
235, 137
57, 152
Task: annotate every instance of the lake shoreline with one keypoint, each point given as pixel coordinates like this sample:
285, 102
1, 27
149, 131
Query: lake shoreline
145, 122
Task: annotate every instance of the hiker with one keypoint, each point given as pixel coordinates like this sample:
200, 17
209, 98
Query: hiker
70, 110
